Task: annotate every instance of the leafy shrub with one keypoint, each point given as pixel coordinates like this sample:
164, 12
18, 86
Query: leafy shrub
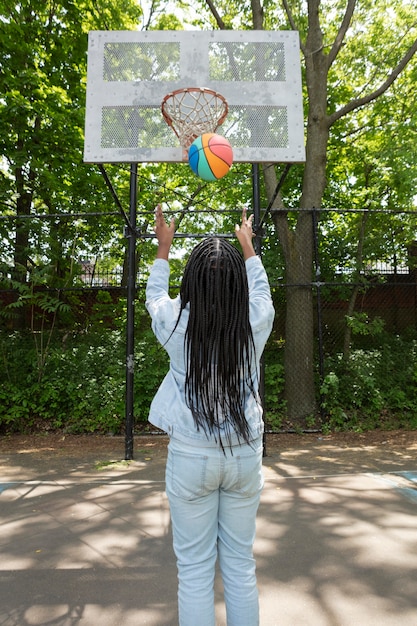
151, 365
374, 388
274, 403
82, 388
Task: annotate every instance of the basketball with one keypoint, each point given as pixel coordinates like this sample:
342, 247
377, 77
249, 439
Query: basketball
210, 156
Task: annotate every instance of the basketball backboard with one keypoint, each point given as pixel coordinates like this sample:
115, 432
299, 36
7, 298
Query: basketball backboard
130, 72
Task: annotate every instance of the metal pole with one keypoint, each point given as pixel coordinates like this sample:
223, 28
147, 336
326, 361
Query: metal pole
256, 201
130, 232
318, 285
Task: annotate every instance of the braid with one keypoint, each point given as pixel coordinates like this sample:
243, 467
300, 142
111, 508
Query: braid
219, 346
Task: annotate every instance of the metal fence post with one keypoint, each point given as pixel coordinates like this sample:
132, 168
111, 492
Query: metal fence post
318, 284
257, 227
130, 320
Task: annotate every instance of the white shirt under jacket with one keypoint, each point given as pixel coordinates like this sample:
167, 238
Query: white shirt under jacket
168, 410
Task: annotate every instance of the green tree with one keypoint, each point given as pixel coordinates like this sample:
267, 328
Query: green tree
42, 83
359, 75
353, 54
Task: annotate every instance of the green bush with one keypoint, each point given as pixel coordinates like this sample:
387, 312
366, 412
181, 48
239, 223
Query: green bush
81, 388
82, 384
374, 388
274, 387
151, 365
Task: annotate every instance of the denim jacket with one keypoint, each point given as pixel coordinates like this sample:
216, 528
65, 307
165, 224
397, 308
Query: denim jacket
169, 410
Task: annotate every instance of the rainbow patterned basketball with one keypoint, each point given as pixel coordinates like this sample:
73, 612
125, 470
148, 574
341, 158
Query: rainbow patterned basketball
210, 156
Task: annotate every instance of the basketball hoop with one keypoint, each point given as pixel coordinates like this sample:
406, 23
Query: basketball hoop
193, 111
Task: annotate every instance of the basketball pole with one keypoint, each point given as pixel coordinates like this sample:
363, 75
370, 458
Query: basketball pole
130, 233
256, 203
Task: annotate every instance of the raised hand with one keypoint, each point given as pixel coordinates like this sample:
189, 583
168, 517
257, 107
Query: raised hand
164, 233
245, 235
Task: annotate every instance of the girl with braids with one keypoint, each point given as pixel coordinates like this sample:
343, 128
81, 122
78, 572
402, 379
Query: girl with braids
214, 332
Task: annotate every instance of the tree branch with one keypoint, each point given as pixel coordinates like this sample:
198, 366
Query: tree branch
216, 15
292, 22
342, 32
257, 15
359, 102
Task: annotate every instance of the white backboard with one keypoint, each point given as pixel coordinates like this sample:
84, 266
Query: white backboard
129, 73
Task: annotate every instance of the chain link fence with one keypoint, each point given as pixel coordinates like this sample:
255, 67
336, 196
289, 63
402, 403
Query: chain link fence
364, 312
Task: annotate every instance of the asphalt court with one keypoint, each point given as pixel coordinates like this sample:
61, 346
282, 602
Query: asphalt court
87, 544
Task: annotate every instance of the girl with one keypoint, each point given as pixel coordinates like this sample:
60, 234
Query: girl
214, 332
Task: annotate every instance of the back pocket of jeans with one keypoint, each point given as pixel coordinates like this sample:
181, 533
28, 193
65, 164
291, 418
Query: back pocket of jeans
186, 475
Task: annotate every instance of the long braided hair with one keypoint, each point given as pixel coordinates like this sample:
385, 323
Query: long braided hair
219, 345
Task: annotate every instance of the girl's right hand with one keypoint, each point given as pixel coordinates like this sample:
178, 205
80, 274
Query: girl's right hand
245, 235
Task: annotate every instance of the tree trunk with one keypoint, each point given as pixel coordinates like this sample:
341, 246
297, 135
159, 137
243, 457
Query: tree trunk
299, 327
297, 244
297, 247
23, 204
21, 241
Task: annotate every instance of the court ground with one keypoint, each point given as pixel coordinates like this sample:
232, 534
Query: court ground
85, 537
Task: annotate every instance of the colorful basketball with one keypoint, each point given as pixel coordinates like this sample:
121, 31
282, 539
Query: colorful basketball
210, 156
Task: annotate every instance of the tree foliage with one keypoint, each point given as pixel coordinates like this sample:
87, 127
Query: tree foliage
42, 80
353, 55
359, 72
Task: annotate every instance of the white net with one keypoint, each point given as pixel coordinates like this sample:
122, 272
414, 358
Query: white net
193, 111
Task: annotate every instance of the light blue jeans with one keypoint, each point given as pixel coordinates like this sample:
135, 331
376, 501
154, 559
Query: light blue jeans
214, 498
